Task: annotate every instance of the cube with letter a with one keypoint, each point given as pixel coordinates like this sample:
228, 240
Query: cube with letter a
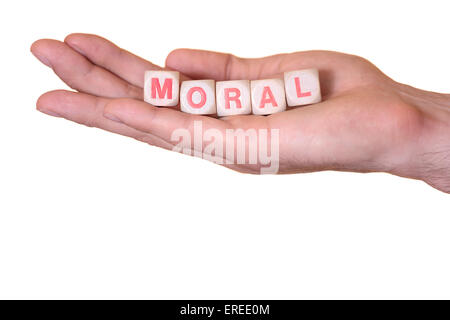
268, 96
161, 88
302, 87
233, 97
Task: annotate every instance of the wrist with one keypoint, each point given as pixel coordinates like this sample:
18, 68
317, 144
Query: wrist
430, 146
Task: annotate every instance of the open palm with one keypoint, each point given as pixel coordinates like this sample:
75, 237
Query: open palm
366, 122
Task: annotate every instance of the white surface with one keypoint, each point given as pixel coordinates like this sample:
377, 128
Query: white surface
309, 85
162, 76
241, 86
208, 88
89, 214
263, 99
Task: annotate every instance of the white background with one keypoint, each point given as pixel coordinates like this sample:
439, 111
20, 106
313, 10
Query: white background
89, 214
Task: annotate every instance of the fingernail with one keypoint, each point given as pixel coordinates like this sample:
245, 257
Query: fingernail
112, 117
42, 59
49, 112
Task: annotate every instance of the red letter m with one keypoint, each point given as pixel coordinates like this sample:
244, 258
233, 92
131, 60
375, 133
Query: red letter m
166, 89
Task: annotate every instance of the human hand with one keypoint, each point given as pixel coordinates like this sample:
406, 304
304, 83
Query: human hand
367, 122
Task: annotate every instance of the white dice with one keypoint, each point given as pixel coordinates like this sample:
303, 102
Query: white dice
198, 97
302, 87
233, 97
161, 88
268, 96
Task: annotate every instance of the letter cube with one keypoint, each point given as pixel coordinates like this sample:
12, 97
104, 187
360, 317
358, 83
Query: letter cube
233, 97
268, 96
161, 88
198, 97
302, 87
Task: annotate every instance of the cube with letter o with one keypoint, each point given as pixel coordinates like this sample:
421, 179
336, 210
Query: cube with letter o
198, 97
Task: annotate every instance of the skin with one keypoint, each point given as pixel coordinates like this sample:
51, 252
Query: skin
367, 122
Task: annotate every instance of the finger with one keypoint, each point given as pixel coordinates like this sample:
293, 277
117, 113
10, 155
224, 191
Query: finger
160, 122
188, 133
224, 66
336, 70
200, 64
109, 56
88, 110
81, 74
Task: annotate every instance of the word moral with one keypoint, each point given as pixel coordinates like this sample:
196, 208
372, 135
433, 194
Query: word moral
234, 97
